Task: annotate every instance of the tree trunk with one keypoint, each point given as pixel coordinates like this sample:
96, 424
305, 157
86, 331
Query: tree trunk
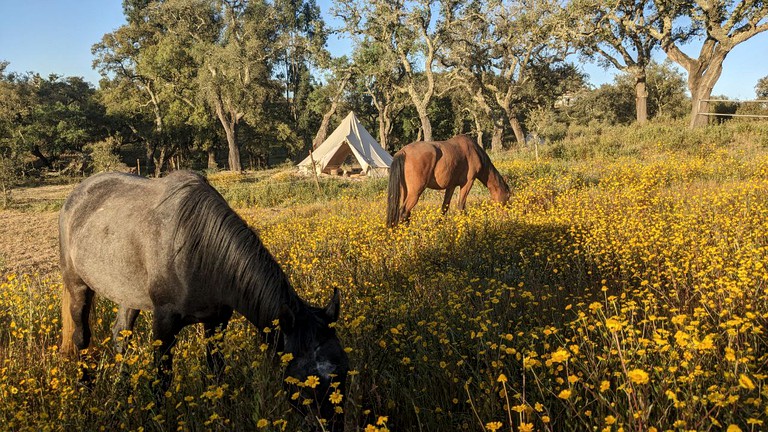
701, 90
322, 133
230, 129
383, 131
159, 162
151, 148
641, 98
702, 76
211, 159
234, 151
517, 128
497, 138
426, 126
41, 157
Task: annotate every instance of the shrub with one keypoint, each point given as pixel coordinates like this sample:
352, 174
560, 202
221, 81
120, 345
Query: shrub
104, 155
8, 177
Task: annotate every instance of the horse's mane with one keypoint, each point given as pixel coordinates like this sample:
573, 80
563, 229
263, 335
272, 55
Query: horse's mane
485, 160
225, 253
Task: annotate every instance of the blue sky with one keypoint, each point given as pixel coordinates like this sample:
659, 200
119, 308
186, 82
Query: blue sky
55, 36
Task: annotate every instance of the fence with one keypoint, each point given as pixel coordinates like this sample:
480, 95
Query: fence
734, 102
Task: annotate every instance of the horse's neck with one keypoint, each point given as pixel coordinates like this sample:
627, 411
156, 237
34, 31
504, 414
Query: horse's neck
492, 178
485, 174
261, 296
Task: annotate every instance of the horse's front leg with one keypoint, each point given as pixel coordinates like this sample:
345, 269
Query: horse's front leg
447, 199
126, 318
214, 329
166, 325
463, 193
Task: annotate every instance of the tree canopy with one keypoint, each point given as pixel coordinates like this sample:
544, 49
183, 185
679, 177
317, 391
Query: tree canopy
249, 83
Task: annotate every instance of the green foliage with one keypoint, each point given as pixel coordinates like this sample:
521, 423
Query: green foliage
544, 125
104, 155
8, 178
48, 116
752, 108
615, 103
761, 88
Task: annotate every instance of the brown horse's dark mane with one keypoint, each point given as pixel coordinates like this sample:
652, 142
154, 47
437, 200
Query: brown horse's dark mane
489, 175
228, 255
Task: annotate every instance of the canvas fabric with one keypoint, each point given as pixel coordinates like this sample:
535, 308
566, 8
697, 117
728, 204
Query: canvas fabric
350, 136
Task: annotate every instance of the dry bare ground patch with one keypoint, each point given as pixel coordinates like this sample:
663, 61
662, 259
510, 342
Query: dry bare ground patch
29, 230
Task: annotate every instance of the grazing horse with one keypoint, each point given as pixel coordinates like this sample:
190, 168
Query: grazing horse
173, 246
440, 165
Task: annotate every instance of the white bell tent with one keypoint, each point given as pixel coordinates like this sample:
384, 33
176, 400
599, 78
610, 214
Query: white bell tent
349, 140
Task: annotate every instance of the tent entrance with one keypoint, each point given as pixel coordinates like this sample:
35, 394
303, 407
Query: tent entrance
343, 158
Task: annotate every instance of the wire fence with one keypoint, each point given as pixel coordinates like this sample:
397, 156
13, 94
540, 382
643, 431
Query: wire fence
716, 114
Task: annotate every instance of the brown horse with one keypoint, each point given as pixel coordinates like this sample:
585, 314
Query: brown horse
440, 165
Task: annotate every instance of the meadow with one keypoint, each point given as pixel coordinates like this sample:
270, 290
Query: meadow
624, 288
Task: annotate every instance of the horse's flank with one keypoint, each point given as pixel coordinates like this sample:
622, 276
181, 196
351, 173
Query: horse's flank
441, 165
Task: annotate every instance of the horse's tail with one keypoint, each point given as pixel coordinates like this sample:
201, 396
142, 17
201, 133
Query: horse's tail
67, 347
396, 187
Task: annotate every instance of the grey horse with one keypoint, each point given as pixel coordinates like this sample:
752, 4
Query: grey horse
173, 246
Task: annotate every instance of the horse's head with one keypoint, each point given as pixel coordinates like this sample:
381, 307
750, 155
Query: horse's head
499, 191
316, 375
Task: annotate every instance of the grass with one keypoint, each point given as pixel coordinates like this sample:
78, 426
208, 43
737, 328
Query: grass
621, 289
285, 189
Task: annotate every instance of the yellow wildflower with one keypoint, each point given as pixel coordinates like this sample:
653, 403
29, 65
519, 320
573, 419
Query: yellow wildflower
493, 426
336, 397
638, 376
312, 381
605, 385
746, 382
560, 355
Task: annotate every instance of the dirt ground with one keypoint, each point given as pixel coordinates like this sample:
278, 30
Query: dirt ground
29, 231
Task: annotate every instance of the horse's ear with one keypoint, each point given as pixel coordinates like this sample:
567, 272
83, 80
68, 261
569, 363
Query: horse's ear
287, 319
334, 307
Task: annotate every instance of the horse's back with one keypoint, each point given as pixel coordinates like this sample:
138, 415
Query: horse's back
442, 164
115, 234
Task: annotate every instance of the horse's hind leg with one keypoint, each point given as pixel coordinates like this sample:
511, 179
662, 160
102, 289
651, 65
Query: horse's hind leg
80, 300
126, 318
409, 203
